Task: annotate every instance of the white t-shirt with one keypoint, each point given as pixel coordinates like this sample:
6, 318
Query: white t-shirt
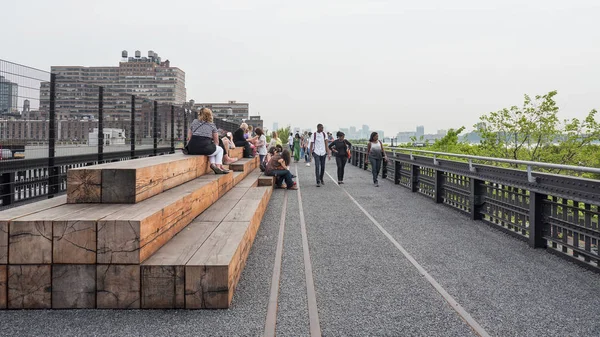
319, 144
262, 150
290, 140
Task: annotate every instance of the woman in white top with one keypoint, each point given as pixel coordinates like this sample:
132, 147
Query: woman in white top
376, 154
261, 144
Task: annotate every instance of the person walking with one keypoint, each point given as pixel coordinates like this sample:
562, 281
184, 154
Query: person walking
376, 154
296, 148
278, 167
203, 139
307, 155
319, 149
291, 142
340, 148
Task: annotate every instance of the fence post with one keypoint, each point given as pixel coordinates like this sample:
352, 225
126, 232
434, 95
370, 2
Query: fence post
52, 171
132, 127
476, 197
100, 124
438, 196
7, 192
397, 171
172, 129
155, 128
185, 127
536, 224
414, 178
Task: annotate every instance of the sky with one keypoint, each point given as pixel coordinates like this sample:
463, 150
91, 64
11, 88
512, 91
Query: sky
392, 65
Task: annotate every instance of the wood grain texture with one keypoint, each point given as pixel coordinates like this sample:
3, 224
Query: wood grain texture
29, 287
3, 286
118, 286
30, 237
237, 152
133, 234
14, 213
266, 181
133, 181
163, 287
73, 286
84, 186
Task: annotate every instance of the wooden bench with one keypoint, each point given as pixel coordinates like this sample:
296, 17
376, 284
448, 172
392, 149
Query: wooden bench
135, 180
200, 267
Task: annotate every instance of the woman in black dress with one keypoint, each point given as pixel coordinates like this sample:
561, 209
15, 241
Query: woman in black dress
340, 148
204, 139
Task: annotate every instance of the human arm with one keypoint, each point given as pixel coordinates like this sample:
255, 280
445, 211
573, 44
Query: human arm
332, 147
282, 164
216, 137
189, 135
368, 149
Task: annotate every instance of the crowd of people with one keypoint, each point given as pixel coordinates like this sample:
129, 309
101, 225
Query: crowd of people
205, 139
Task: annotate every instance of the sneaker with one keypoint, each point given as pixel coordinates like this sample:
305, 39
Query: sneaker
323, 182
341, 182
318, 184
376, 184
307, 164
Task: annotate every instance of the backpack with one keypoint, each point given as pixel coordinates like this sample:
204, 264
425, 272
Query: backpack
315, 136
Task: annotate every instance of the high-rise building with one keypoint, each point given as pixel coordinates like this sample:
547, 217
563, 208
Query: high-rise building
145, 77
275, 126
420, 131
231, 111
9, 93
255, 121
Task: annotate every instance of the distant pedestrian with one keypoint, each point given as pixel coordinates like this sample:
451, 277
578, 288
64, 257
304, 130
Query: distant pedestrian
296, 147
340, 148
319, 149
376, 154
291, 142
278, 167
307, 155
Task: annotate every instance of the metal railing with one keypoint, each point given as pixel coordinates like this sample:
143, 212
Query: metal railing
557, 212
49, 124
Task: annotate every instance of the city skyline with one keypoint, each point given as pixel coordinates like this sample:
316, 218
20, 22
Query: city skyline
406, 64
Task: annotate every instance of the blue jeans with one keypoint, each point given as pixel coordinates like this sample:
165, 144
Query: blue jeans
281, 176
375, 167
319, 167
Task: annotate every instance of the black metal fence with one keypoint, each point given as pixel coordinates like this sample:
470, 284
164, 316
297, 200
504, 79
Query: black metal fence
557, 212
49, 125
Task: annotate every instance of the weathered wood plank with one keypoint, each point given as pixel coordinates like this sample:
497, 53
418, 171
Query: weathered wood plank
133, 234
213, 272
132, 181
30, 237
245, 164
163, 287
3, 286
237, 152
74, 235
18, 212
73, 286
118, 286
266, 181
29, 287
84, 186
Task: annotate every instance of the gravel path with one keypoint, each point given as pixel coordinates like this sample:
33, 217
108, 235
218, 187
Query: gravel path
509, 288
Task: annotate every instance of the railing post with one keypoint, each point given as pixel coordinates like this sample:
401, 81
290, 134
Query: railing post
172, 129
132, 127
439, 186
100, 124
397, 171
7, 192
536, 224
155, 128
476, 197
52, 171
185, 127
414, 178
366, 162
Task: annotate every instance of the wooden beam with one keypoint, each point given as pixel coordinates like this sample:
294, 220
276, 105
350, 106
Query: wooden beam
3, 290
73, 286
118, 286
29, 287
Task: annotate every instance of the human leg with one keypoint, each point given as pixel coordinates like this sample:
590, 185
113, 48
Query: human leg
322, 171
374, 171
317, 169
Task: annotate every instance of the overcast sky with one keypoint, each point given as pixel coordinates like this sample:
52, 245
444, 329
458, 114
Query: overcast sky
389, 64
